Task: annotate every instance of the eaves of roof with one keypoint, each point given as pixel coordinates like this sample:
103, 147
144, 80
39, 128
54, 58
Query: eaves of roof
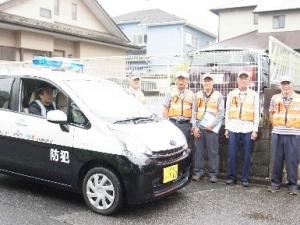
64, 29
216, 11
275, 10
256, 40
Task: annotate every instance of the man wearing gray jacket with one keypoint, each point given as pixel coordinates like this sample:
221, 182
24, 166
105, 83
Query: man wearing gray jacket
208, 113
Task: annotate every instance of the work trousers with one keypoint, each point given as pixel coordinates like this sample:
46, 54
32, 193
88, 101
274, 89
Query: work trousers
234, 142
208, 141
285, 148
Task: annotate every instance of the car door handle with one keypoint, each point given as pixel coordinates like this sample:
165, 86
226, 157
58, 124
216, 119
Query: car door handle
21, 123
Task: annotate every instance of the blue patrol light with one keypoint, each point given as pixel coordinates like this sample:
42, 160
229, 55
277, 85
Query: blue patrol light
57, 63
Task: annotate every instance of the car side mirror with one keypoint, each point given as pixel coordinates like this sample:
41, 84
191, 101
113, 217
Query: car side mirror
57, 116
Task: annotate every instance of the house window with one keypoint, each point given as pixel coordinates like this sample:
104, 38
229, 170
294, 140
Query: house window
58, 53
74, 11
278, 22
139, 39
7, 53
255, 18
45, 13
191, 40
56, 7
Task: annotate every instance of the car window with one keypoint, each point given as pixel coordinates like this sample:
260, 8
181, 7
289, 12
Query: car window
77, 116
5, 92
31, 91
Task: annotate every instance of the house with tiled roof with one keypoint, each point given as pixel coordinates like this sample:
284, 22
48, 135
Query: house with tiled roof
68, 28
249, 23
162, 33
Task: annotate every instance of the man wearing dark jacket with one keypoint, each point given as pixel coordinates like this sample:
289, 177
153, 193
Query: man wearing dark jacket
44, 103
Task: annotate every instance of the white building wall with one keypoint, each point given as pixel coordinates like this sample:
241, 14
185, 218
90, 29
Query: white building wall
292, 23
235, 22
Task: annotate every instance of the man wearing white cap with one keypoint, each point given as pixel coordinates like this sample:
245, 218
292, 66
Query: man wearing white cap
285, 118
134, 87
241, 126
178, 104
208, 112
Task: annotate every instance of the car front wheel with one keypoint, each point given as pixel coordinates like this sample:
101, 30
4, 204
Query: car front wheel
102, 191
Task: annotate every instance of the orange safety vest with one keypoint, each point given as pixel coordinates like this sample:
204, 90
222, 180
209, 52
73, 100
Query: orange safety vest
289, 117
179, 107
242, 110
210, 105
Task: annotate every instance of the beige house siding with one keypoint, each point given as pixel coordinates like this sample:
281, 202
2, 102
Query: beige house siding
34, 41
31, 9
94, 50
68, 47
85, 18
235, 22
91, 34
7, 38
292, 19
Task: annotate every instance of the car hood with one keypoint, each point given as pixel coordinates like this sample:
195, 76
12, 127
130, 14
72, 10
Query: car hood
156, 136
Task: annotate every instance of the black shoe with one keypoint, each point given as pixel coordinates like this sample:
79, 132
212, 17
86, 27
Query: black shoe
293, 191
230, 182
245, 183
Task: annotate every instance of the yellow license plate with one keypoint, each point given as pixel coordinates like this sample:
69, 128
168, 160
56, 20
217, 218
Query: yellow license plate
170, 173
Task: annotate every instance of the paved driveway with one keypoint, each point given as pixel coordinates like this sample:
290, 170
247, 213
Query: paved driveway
23, 202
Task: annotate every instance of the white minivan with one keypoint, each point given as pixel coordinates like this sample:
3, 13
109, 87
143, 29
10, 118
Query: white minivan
98, 140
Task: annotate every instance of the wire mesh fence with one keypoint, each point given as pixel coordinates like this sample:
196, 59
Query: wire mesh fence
158, 72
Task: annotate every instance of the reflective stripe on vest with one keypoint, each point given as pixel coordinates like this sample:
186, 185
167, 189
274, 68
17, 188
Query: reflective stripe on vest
289, 117
43, 108
211, 105
179, 107
242, 110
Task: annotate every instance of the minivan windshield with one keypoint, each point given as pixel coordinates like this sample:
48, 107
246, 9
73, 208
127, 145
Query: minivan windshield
109, 101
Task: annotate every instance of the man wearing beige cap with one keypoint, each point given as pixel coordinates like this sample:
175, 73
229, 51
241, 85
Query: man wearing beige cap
241, 126
134, 87
285, 118
178, 104
208, 113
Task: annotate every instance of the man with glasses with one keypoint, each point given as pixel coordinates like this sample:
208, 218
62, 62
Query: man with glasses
285, 118
44, 103
208, 113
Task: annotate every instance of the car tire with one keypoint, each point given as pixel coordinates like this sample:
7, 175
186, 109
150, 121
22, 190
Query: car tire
102, 191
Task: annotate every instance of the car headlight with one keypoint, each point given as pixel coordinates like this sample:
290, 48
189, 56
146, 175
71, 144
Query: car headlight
135, 149
185, 146
132, 147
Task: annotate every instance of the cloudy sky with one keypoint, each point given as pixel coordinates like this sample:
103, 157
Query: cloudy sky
195, 11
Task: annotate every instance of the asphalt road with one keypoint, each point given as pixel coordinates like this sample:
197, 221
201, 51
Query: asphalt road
24, 202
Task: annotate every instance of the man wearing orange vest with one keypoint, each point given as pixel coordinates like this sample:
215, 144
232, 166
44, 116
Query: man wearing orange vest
208, 112
241, 125
178, 104
285, 118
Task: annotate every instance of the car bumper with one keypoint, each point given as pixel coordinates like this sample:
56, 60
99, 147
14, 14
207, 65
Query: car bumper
145, 183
